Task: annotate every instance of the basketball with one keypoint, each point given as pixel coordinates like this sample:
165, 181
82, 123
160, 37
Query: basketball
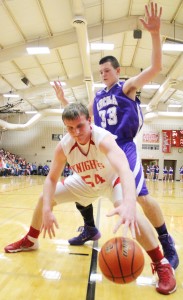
121, 260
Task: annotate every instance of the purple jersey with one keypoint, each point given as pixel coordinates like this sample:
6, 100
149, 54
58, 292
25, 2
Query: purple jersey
117, 113
122, 116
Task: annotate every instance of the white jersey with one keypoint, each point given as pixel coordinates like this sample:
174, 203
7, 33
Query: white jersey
91, 168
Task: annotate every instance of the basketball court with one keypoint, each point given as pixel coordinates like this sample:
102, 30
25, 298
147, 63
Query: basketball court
60, 271
30, 127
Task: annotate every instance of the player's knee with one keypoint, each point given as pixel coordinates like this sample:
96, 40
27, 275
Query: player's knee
143, 200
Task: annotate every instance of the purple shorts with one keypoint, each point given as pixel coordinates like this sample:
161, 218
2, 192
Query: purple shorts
136, 166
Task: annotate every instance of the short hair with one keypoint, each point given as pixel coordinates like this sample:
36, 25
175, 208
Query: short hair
113, 60
75, 110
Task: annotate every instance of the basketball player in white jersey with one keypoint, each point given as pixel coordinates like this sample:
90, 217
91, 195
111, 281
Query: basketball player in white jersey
100, 168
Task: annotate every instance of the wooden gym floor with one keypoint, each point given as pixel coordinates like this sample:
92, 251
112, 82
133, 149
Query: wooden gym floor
59, 271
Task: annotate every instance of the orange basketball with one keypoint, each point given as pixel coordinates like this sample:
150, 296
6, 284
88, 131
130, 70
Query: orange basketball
121, 260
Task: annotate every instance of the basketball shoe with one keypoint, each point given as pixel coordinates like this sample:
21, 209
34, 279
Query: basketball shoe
166, 283
26, 244
169, 250
88, 234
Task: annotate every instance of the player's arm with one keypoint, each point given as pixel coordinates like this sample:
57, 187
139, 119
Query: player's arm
60, 93
151, 24
57, 166
127, 209
61, 97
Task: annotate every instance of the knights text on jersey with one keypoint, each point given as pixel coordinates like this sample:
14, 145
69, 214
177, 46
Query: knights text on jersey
115, 112
93, 167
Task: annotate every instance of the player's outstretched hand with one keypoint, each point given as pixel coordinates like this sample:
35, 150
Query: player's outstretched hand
151, 22
58, 90
49, 224
128, 221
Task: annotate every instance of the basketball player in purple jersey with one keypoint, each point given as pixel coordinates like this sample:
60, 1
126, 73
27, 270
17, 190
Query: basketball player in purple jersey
117, 109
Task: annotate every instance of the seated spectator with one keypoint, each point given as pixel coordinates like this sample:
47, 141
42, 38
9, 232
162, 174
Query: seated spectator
3, 171
16, 170
8, 167
34, 170
45, 170
40, 170
28, 169
23, 168
66, 171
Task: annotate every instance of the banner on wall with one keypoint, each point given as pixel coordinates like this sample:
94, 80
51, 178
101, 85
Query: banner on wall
150, 137
181, 138
177, 138
166, 141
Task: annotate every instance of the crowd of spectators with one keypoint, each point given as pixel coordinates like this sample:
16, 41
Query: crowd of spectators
14, 165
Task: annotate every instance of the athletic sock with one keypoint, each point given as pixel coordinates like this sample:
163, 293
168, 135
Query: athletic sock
161, 230
34, 233
155, 254
87, 214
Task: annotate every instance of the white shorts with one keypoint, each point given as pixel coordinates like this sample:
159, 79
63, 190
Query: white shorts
73, 189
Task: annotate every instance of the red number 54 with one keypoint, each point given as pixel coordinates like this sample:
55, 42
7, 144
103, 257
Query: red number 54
97, 179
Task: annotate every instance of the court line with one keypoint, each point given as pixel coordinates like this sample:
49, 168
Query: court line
74, 253
90, 295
